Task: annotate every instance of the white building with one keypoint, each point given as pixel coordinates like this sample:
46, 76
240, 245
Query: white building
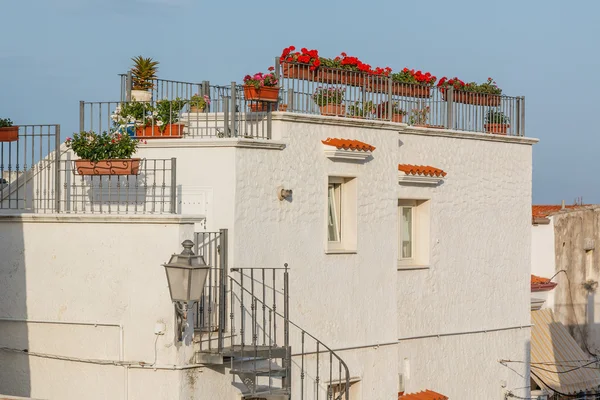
416, 278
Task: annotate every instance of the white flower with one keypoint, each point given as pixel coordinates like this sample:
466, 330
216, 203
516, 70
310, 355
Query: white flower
114, 117
155, 113
118, 110
159, 123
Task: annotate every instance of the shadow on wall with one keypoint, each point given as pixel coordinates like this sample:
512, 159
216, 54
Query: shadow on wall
15, 377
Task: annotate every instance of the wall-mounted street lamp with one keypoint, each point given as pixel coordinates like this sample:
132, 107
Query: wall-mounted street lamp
186, 275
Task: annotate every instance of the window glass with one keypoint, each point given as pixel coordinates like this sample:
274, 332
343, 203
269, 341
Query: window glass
407, 232
334, 216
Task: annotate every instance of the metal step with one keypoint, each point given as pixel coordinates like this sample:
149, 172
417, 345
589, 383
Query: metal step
265, 391
263, 352
274, 372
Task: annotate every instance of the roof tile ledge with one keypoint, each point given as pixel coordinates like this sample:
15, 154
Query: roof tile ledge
347, 149
420, 174
425, 395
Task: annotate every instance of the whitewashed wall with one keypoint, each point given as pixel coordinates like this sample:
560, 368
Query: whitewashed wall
478, 277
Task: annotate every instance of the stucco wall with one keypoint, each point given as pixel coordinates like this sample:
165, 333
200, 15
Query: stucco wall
480, 253
63, 274
575, 306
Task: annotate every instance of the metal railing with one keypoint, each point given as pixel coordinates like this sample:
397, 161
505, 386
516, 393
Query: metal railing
152, 191
163, 89
28, 180
368, 97
228, 115
210, 316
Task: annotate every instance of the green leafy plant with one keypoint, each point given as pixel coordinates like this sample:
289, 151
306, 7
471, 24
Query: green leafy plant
496, 117
419, 116
5, 123
143, 73
488, 87
259, 79
144, 113
417, 78
359, 109
329, 95
200, 102
106, 146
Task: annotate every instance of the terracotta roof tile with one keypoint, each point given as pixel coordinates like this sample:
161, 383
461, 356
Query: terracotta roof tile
540, 284
542, 211
348, 144
426, 170
426, 395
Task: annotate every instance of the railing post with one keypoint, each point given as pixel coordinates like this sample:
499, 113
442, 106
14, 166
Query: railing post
517, 119
57, 170
277, 67
522, 119
226, 116
128, 86
390, 107
223, 289
270, 119
206, 92
233, 108
81, 116
449, 108
286, 328
173, 185
290, 99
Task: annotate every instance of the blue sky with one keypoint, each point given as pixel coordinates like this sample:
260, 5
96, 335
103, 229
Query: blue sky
54, 53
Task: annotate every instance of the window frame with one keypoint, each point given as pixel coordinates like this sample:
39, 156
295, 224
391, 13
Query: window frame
420, 231
346, 188
413, 209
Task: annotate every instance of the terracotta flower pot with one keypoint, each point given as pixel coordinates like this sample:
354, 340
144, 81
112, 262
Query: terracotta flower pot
265, 93
9, 134
382, 113
499, 129
333, 109
476, 99
298, 71
129, 166
171, 131
196, 109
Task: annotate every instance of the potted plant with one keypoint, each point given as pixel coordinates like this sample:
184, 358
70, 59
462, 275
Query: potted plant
261, 86
361, 110
348, 70
145, 120
198, 103
482, 94
496, 122
8, 132
104, 154
408, 83
161, 122
397, 112
419, 116
329, 100
143, 74
299, 64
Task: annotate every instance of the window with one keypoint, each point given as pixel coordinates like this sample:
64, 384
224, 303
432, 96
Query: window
413, 233
341, 215
334, 197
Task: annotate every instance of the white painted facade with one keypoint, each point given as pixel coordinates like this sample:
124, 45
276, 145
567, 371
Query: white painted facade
442, 325
543, 258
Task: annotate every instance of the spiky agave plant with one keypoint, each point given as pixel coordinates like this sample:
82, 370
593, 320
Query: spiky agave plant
143, 72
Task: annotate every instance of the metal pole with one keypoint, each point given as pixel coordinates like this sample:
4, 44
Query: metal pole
522, 121
206, 92
227, 132
286, 327
81, 116
277, 68
223, 294
129, 86
290, 99
173, 185
233, 109
517, 122
269, 120
57, 170
390, 107
449, 102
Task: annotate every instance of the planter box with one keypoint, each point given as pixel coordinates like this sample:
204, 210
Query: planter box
499, 129
477, 99
402, 89
333, 109
9, 134
172, 131
336, 77
129, 166
382, 113
265, 93
298, 71
262, 107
